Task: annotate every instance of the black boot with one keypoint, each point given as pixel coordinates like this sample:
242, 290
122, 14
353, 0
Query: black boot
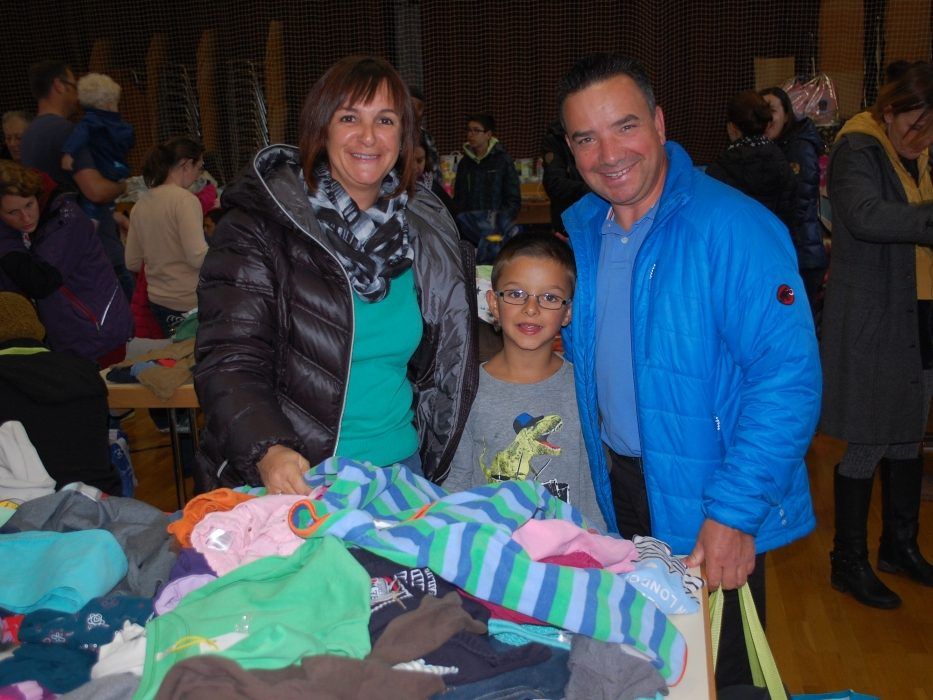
851, 572
901, 481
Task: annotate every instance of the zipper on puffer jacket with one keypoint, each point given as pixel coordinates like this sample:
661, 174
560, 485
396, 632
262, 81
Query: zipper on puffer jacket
649, 319
113, 294
82, 307
299, 227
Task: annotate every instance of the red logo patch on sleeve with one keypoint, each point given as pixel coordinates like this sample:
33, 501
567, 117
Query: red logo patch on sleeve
785, 295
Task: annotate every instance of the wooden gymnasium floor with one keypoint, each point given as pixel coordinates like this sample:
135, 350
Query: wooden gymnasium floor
822, 640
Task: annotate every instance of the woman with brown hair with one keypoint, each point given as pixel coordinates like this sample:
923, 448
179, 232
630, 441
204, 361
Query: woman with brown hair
167, 231
335, 304
876, 349
753, 163
51, 253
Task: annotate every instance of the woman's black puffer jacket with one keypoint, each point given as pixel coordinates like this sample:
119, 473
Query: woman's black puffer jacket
276, 329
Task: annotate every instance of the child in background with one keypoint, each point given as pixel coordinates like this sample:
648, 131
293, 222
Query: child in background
524, 423
102, 131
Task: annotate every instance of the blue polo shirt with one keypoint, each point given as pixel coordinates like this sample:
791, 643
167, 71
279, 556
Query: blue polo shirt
615, 377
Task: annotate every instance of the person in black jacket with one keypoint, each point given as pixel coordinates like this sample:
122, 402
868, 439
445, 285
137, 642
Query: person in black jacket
753, 163
561, 179
802, 147
487, 192
59, 398
335, 304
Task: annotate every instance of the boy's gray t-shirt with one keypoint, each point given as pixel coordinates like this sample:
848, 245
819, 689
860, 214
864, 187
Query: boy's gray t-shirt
527, 431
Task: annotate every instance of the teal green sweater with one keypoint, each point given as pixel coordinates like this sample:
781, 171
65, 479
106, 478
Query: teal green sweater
377, 424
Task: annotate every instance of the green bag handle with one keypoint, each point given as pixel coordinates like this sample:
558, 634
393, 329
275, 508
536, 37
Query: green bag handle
764, 671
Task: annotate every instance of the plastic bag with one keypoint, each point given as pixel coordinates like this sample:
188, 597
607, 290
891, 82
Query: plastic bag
814, 98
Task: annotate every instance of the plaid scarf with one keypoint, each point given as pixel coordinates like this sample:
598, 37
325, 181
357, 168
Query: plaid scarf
372, 245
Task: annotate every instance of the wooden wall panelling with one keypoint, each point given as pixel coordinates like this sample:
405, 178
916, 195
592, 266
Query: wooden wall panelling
907, 31
841, 51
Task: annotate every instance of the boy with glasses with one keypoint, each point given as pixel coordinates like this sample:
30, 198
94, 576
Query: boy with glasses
524, 422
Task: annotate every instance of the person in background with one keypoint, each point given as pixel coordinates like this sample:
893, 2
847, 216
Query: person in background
524, 423
487, 192
433, 159
561, 179
167, 230
753, 163
15, 123
103, 132
802, 147
336, 304
55, 88
697, 373
50, 253
59, 398
876, 344
424, 173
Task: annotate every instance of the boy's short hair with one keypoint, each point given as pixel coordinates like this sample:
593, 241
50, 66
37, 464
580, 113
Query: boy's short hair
98, 91
536, 245
485, 120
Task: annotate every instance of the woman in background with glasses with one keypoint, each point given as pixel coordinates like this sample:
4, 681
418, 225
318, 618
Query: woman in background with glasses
336, 308
877, 349
167, 230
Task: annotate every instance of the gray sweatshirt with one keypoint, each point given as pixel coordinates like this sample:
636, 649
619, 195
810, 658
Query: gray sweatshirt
527, 431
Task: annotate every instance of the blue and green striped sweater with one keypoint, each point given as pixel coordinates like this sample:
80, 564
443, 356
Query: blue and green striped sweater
465, 538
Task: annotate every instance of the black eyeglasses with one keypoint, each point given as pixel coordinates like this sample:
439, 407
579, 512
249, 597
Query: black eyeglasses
546, 300
476, 130
68, 83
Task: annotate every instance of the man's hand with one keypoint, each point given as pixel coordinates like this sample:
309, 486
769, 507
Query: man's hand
282, 471
729, 555
67, 162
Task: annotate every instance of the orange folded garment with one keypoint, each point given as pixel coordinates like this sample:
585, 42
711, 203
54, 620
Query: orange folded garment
199, 506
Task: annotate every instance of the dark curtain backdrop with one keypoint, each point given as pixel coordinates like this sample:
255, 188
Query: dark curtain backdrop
504, 58
697, 54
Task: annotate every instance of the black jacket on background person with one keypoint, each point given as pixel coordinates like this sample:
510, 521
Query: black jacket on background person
802, 148
561, 179
489, 184
61, 401
756, 166
276, 329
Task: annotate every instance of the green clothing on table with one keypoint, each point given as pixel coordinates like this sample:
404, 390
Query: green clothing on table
378, 420
315, 601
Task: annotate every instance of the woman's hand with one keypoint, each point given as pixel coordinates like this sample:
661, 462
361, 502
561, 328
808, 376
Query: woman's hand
282, 471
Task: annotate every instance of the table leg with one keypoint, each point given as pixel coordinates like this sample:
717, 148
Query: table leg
177, 465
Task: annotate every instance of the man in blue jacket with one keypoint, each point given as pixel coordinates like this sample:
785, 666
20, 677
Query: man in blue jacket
697, 367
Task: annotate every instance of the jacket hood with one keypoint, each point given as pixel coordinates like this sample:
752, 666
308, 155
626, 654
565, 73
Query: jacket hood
272, 185
864, 123
493, 146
